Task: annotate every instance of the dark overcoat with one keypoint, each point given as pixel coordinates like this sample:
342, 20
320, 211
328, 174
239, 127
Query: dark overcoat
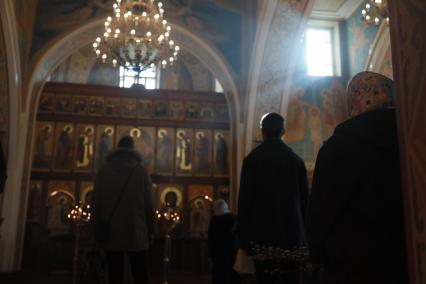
355, 221
133, 220
273, 197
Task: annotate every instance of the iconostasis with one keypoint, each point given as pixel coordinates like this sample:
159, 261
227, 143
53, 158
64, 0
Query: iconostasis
183, 138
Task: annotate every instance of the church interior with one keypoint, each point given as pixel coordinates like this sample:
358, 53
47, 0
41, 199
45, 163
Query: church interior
63, 108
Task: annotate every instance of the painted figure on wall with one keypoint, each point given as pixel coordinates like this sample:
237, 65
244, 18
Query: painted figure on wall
199, 218
43, 149
165, 151
113, 106
316, 131
145, 146
85, 148
221, 113
144, 109
46, 103
296, 116
202, 153
183, 152
60, 204
192, 111
207, 113
96, 105
80, 105
34, 201
221, 154
64, 148
176, 110
104, 146
63, 104
160, 109
129, 107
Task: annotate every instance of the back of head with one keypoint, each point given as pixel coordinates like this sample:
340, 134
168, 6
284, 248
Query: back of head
220, 207
126, 142
368, 90
272, 125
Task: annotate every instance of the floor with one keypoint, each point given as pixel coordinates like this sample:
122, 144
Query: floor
36, 277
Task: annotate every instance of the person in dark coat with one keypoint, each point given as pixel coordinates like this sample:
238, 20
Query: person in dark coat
273, 196
222, 244
355, 215
132, 223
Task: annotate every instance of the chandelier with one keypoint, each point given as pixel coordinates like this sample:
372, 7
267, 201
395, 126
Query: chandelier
375, 11
136, 37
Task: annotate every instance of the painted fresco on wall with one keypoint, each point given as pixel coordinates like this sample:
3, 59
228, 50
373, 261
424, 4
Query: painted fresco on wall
60, 201
96, 105
129, 108
184, 150
164, 161
199, 216
161, 109
219, 22
104, 144
63, 104
313, 111
202, 152
112, 106
82, 67
360, 39
64, 141
146, 146
176, 110
43, 148
85, 147
192, 111
170, 195
207, 112
145, 109
46, 103
221, 113
221, 153
79, 104
35, 201
86, 192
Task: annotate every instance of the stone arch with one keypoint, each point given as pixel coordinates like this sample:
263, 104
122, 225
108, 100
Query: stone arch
48, 59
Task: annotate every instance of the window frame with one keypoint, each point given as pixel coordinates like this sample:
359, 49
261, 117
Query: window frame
123, 74
333, 27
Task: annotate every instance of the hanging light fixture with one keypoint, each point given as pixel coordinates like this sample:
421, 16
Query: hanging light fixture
375, 12
136, 37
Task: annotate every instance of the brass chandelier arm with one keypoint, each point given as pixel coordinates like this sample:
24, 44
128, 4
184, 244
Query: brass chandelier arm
137, 36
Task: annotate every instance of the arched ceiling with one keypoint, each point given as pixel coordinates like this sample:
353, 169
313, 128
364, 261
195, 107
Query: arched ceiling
216, 21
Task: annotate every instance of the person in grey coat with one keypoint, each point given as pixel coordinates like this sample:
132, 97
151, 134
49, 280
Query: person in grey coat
132, 222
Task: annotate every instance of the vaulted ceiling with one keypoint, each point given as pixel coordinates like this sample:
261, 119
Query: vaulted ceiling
335, 9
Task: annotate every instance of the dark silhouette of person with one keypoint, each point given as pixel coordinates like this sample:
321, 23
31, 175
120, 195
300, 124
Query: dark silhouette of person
355, 215
132, 223
272, 198
222, 244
